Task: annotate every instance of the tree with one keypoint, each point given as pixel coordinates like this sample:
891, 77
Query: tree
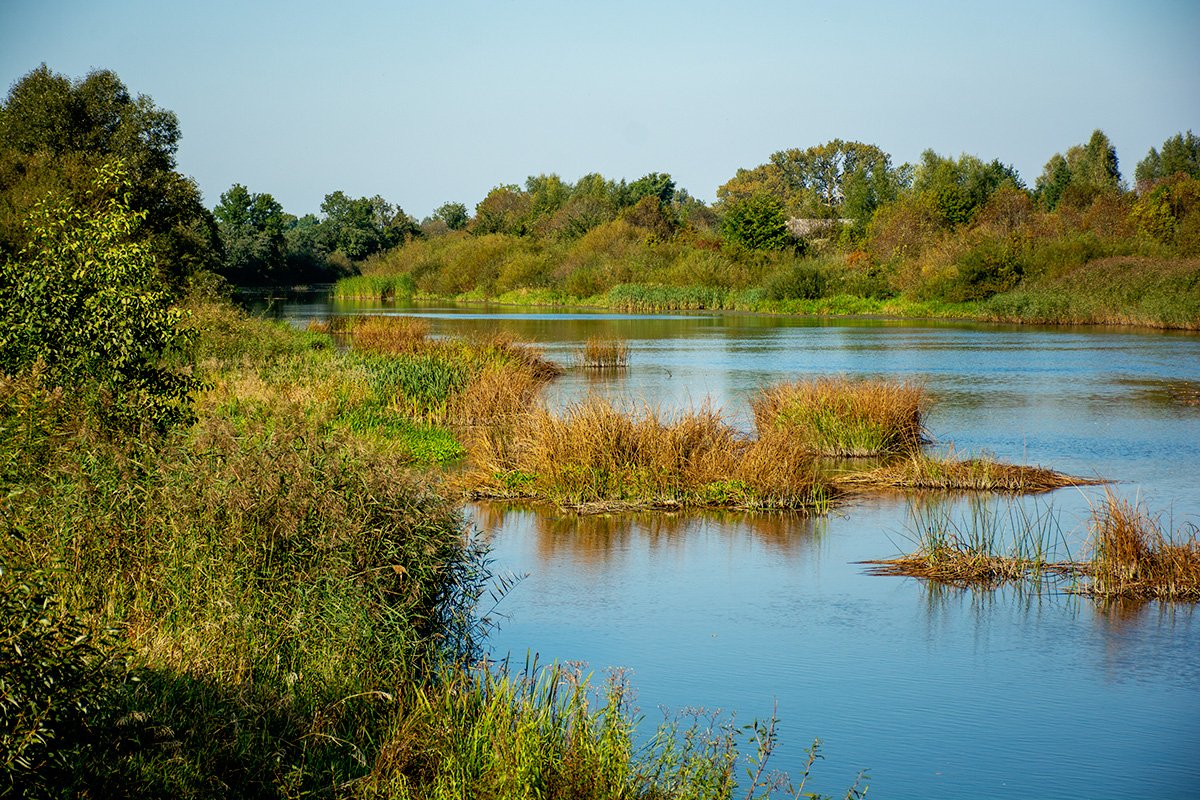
757, 222
654, 184
82, 307
1180, 153
504, 210
362, 227
252, 233
957, 188
817, 176
453, 214
1084, 172
54, 134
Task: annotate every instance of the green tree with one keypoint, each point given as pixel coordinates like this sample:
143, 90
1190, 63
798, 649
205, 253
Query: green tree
817, 177
54, 134
653, 184
252, 234
453, 214
82, 307
1085, 171
1180, 153
957, 188
360, 227
505, 210
757, 222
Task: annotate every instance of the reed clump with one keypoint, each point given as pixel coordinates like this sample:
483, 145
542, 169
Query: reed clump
991, 547
596, 456
1134, 556
843, 416
952, 473
498, 733
604, 354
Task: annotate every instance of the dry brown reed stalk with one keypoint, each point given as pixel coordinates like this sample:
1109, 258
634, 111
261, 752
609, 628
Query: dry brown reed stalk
843, 416
1134, 557
496, 396
950, 473
387, 335
502, 346
604, 354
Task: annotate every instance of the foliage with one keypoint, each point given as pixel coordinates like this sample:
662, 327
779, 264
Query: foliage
757, 222
1169, 211
1180, 153
54, 134
1084, 172
800, 281
957, 188
252, 233
56, 685
360, 227
453, 214
83, 310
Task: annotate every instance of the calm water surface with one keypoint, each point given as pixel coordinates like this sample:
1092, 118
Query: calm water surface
939, 693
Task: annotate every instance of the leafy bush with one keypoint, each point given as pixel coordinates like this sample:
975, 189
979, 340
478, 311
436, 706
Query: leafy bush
80, 303
800, 281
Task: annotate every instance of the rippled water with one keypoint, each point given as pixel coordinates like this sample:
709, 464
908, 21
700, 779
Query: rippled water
939, 693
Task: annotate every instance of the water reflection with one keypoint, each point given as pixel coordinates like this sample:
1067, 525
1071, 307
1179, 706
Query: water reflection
608, 539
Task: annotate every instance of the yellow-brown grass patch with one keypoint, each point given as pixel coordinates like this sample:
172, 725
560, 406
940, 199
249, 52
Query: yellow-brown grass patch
843, 416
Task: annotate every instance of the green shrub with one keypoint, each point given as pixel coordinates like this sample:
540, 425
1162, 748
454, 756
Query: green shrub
800, 281
82, 304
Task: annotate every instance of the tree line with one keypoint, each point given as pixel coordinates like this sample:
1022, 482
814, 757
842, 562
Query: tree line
840, 195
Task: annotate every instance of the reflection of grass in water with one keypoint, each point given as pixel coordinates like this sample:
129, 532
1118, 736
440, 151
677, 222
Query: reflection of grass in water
1174, 393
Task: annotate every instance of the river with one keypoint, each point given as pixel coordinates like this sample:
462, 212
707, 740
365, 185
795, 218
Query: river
939, 693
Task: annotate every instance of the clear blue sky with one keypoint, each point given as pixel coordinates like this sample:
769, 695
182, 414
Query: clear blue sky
434, 101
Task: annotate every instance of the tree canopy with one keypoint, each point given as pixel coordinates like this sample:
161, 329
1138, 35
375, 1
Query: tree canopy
54, 134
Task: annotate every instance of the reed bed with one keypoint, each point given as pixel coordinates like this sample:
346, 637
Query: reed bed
951, 473
545, 732
1135, 556
843, 416
595, 456
604, 354
992, 547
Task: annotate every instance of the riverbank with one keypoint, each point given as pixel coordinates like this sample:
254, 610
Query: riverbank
1074, 283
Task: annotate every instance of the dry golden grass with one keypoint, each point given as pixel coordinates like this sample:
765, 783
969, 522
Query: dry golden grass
384, 335
595, 456
951, 473
957, 563
604, 354
1134, 557
843, 416
496, 396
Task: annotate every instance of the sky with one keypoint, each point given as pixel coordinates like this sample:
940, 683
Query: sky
430, 102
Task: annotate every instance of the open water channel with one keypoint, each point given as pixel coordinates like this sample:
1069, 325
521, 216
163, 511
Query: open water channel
939, 693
